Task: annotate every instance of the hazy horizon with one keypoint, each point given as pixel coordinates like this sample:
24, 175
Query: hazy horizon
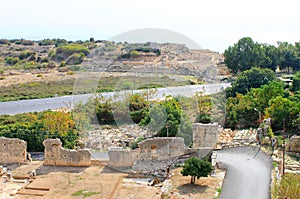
212, 25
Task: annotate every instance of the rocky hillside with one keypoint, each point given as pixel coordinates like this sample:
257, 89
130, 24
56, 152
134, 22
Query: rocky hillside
41, 56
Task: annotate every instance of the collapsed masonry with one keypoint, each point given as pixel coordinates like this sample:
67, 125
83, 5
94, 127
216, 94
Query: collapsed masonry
56, 155
12, 150
160, 151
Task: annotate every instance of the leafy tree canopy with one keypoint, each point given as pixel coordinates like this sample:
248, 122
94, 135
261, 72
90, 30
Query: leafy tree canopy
253, 78
196, 168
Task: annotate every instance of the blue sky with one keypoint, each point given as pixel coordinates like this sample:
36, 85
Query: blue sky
212, 24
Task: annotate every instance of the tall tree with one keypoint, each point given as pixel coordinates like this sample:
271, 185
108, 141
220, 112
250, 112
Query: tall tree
243, 55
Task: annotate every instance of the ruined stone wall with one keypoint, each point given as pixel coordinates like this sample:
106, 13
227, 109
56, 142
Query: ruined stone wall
12, 150
161, 148
205, 135
122, 157
154, 149
293, 144
56, 155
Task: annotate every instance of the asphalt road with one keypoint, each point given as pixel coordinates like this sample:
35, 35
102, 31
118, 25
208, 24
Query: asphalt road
247, 177
23, 106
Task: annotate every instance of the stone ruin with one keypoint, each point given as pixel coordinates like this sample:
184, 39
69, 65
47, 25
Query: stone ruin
159, 148
293, 144
12, 150
205, 135
160, 151
56, 155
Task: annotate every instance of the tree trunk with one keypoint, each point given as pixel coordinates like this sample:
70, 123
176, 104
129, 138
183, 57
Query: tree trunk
193, 179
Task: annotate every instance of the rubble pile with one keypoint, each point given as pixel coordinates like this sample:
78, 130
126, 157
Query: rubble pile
229, 138
108, 136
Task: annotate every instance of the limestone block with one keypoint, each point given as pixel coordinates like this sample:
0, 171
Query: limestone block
56, 155
12, 150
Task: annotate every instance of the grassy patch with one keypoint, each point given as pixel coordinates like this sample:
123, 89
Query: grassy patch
287, 187
85, 193
36, 90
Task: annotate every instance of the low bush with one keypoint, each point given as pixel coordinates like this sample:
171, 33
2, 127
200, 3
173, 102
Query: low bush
11, 60
70, 49
75, 58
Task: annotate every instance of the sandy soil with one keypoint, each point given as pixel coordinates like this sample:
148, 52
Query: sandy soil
101, 182
16, 77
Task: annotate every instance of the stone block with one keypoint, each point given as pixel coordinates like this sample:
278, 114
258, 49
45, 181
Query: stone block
12, 150
56, 155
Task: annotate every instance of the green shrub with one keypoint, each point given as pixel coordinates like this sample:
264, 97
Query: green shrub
47, 42
44, 60
134, 145
36, 127
288, 187
39, 75
70, 73
134, 54
76, 58
11, 60
25, 54
18, 42
51, 53
51, 64
70, 49
62, 64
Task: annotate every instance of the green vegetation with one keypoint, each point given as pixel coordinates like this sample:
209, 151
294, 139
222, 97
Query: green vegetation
36, 127
253, 78
134, 145
66, 87
85, 193
67, 50
196, 168
219, 190
296, 82
164, 118
169, 120
247, 54
257, 97
287, 187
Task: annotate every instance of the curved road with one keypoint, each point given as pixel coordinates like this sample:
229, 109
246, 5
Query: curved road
247, 177
23, 106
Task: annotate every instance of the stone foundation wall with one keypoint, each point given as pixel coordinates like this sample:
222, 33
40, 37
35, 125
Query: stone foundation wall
12, 150
122, 157
154, 149
161, 148
56, 155
205, 135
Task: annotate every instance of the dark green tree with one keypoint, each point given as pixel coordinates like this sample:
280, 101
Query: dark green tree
289, 56
168, 119
282, 108
137, 107
243, 55
253, 78
196, 168
296, 82
271, 57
